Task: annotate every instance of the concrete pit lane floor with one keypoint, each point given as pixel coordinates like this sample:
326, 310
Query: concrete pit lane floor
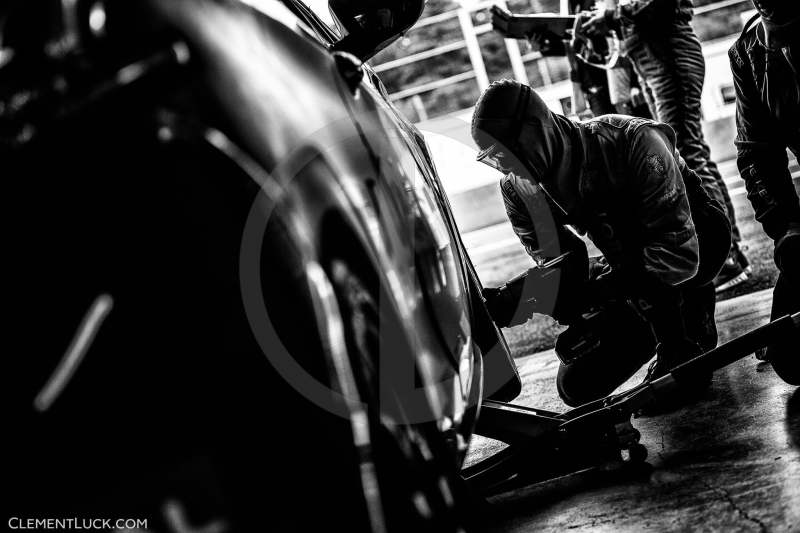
730, 462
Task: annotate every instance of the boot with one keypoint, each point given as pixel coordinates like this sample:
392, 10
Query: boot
675, 347
735, 271
687, 392
669, 356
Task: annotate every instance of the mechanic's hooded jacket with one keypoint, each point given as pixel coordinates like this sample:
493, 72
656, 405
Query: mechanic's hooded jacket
767, 83
619, 179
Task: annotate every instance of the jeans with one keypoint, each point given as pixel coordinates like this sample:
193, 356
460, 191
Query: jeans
672, 67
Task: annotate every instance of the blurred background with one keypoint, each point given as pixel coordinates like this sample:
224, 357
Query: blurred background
437, 71
452, 54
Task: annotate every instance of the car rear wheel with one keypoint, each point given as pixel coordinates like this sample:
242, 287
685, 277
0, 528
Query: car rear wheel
414, 471
783, 354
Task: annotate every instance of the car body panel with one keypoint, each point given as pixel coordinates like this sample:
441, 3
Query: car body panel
279, 98
256, 73
283, 135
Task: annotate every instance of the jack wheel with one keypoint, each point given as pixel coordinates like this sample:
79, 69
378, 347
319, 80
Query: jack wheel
637, 453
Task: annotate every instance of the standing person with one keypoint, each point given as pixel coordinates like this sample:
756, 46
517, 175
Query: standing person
621, 181
592, 85
659, 40
765, 61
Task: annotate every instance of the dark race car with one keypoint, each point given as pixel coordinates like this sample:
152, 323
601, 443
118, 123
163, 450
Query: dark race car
238, 299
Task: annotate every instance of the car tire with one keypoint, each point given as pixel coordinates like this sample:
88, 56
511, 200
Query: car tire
415, 471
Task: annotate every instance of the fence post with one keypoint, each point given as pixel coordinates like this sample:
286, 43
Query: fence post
515, 56
419, 107
473, 48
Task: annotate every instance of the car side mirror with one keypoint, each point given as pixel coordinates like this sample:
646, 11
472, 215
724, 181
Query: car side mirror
369, 26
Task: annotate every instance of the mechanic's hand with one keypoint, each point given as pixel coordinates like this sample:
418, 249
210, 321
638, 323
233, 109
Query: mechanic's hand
787, 252
597, 23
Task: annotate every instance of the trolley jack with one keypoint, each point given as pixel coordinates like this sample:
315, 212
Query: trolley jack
544, 445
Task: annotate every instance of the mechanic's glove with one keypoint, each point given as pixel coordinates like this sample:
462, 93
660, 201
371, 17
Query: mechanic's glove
503, 303
787, 253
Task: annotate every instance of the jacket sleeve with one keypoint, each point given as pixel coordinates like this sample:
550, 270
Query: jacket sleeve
532, 219
670, 252
761, 153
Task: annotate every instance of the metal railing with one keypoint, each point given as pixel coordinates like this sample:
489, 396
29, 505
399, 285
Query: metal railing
477, 71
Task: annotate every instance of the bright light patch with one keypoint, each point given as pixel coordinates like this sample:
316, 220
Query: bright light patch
97, 18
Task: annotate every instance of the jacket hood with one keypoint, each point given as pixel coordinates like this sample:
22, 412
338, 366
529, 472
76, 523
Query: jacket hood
546, 146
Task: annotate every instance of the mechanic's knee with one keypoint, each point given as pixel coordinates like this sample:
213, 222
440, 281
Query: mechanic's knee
577, 388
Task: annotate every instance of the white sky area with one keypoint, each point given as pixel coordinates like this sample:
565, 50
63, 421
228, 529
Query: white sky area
456, 164
320, 7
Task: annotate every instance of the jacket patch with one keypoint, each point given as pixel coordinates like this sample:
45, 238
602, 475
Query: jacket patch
735, 56
656, 166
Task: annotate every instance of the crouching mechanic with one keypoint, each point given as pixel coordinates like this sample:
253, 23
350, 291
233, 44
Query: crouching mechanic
765, 62
620, 181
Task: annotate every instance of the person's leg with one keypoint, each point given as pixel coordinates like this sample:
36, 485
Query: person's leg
623, 340
595, 377
639, 104
736, 235
698, 315
674, 70
619, 343
604, 348
713, 232
691, 70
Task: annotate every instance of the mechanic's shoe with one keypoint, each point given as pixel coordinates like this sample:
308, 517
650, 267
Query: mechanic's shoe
685, 393
734, 272
657, 369
743, 261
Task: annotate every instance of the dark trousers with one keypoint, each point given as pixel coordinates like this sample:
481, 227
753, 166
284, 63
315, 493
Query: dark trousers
672, 67
595, 377
691, 308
